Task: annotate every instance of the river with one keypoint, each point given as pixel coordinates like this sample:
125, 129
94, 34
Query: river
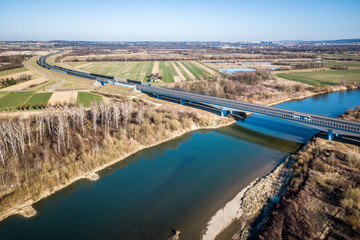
179, 184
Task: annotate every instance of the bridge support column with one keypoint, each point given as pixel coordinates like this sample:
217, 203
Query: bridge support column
158, 96
330, 135
223, 112
182, 101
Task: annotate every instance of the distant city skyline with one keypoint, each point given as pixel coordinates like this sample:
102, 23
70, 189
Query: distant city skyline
159, 20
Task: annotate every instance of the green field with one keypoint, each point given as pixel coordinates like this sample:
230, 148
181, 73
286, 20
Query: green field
130, 70
12, 71
86, 98
321, 78
167, 70
39, 99
148, 71
196, 71
15, 99
2, 94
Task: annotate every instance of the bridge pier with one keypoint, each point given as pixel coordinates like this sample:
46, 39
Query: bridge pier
223, 112
182, 101
330, 135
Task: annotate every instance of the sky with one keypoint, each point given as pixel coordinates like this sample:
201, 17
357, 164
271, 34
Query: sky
179, 20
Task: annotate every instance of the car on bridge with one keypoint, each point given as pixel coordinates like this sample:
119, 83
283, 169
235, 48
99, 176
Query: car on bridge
301, 117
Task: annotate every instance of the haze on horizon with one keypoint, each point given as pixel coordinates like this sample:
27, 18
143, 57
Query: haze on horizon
158, 20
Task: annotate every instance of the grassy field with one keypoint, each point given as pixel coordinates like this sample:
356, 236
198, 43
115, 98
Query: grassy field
14, 99
2, 94
148, 71
196, 71
39, 98
130, 70
167, 70
321, 78
12, 71
345, 64
85, 98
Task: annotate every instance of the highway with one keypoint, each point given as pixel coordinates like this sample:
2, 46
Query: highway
330, 125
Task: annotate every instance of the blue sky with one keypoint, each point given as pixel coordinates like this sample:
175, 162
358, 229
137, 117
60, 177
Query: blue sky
179, 20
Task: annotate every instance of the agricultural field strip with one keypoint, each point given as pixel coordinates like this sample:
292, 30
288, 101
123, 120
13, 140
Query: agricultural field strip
131, 70
39, 98
182, 70
61, 97
206, 68
86, 98
189, 73
155, 67
179, 73
197, 72
149, 70
167, 71
15, 99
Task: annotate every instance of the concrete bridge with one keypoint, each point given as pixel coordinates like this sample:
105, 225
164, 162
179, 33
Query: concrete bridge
330, 125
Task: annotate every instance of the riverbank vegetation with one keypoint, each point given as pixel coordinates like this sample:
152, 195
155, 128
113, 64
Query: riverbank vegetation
323, 197
50, 150
257, 87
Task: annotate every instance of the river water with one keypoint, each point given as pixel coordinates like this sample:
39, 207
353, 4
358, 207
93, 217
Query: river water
179, 184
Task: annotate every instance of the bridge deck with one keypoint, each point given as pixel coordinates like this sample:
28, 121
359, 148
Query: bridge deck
317, 121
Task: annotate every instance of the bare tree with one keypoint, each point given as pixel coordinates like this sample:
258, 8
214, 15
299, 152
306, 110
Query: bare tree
140, 115
126, 109
19, 133
60, 131
28, 131
73, 115
94, 114
81, 114
3, 155
116, 115
39, 123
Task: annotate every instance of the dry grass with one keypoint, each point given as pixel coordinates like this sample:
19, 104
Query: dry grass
63, 97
